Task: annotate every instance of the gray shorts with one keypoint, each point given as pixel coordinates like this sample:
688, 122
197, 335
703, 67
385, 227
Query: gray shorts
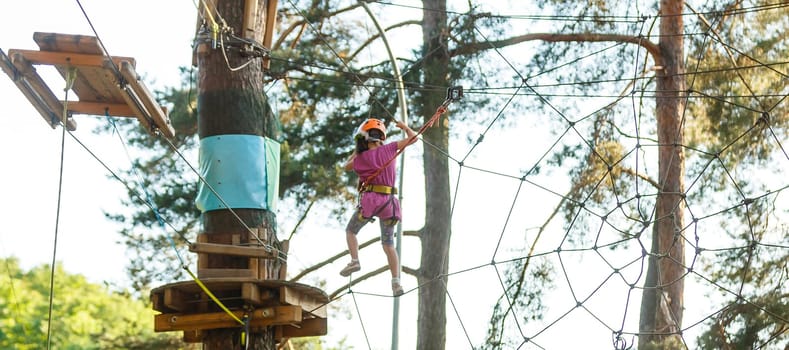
358, 221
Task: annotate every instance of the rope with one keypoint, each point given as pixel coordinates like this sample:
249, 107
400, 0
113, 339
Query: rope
152, 205
439, 111
70, 77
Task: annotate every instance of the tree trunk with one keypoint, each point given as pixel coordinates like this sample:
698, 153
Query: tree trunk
234, 103
435, 235
661, 311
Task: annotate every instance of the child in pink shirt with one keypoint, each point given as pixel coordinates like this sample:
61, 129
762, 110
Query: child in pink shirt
374, 163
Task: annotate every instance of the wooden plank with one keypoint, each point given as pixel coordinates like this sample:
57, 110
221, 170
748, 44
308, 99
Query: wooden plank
229, 284
175, 299
202, 258
154, 111
139, 111
266, 317
96, 84
251, 293
67, 58
271, 22
283, 267
98, 108
157, 301
193, 336
291, 296
27, 90
268, 33
41, 90
68, 43
248, 24
257, 267
233, 250
310, 327
256, 295
225, 273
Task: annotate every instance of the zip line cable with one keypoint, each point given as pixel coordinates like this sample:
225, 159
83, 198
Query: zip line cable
117, 72
150, 204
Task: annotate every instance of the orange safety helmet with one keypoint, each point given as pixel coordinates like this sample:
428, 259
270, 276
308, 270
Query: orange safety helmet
371, 124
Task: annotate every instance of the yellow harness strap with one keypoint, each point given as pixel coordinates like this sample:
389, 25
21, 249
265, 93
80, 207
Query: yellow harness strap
380, 189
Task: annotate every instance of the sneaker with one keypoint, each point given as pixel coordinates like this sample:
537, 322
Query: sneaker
352, 267
397, 289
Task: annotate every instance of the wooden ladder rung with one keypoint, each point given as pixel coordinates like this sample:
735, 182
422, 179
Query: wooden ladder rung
234, 250
226, 273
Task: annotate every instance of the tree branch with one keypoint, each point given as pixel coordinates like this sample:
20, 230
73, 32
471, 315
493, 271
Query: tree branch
641, 176
366, 276
336, 257
300, 24
474, 48
378, 35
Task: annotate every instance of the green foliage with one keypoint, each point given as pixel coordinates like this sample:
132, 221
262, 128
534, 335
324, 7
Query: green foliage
527, 281
746, 113
84, 315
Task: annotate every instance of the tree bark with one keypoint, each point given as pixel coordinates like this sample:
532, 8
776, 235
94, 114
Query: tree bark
234, 102
431, 324
661, 311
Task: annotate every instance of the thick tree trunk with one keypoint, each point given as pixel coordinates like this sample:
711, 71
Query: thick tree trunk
234, 103
435, 236
662, 308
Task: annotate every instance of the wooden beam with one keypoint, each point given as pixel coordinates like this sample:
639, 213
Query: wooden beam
68, 58
67, 43
40, 92
272, 316
194, 336
308, 328
175, 299
27, 90
233, 250
225, 273
154, 111
283, 267
251, 293
268, 33
139, 110
291, 296
250, 13
99, 108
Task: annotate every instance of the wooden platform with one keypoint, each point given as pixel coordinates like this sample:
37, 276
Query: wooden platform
103, 85
294, 309
250, 289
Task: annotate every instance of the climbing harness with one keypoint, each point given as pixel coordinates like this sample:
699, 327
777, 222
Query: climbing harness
383, 189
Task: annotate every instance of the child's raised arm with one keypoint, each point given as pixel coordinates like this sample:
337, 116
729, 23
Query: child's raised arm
410, 135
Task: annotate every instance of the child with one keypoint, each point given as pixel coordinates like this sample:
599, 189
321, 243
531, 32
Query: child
372, 158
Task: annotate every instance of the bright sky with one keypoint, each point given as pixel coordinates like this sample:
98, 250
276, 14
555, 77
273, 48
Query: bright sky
158, 35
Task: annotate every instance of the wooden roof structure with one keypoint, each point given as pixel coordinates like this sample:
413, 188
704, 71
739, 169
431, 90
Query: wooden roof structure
104, 85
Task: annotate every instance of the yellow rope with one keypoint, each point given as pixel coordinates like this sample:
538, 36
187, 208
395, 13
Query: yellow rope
212, 296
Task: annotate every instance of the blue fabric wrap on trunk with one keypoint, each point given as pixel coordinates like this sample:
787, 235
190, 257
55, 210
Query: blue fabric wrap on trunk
242, 169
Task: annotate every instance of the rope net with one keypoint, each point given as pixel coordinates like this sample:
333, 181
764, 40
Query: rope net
554, 207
